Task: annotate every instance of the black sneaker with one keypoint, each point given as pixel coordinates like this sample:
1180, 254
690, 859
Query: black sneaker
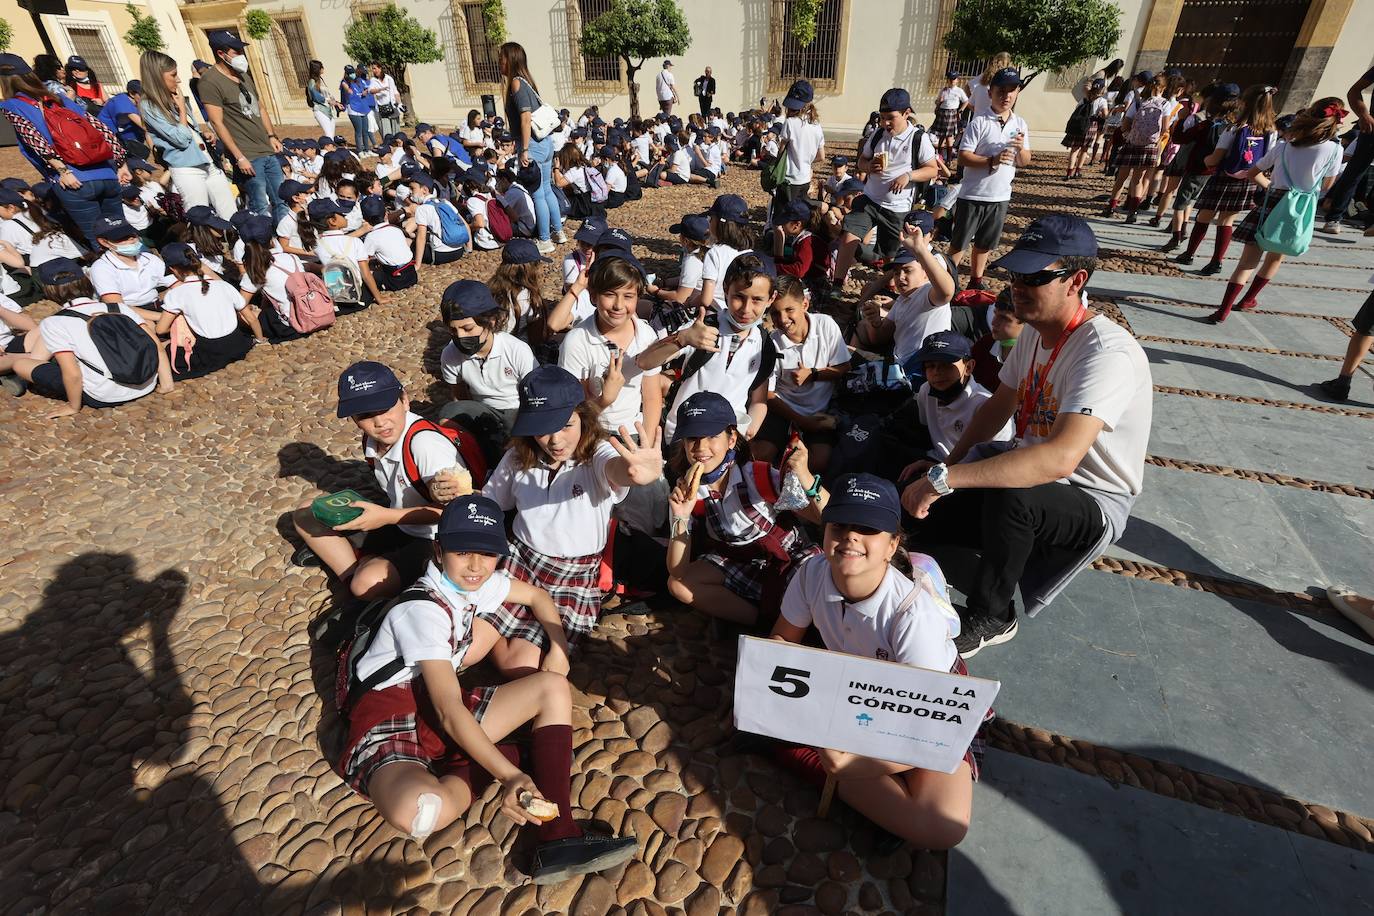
1185, 259
559, 860
1130, 216
1337, 389
306, 557
981, 632
1174, 242
1155, 221
1210, 269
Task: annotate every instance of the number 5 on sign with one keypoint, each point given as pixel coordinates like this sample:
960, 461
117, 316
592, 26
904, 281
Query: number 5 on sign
846, 703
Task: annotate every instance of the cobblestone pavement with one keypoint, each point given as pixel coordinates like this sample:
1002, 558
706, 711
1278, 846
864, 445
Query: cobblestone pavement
165, 744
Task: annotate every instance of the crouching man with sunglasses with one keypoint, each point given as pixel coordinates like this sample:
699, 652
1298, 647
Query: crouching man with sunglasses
1078, 386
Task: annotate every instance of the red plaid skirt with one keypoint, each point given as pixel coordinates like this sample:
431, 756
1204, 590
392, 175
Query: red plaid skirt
946, 122
1224, 194
572, 581
400, 723
1245, 232
1085, 139
1138, 157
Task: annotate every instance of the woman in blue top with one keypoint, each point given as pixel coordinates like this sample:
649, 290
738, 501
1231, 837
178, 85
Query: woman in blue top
195, 175
88, 191
522, 99
355, 92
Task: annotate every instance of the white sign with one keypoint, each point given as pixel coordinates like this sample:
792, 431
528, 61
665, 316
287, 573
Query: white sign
847, 703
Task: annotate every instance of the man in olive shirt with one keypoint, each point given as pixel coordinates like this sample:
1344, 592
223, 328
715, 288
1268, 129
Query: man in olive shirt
234, 109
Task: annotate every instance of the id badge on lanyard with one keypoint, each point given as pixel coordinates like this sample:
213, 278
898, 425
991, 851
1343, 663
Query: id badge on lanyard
1035, 386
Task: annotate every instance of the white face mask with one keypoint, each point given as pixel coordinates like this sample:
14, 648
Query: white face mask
240, 63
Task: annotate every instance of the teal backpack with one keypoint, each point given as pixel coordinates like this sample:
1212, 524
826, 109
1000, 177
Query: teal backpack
1287, 227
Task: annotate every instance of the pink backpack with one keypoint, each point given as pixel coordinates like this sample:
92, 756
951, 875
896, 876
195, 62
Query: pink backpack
311, 307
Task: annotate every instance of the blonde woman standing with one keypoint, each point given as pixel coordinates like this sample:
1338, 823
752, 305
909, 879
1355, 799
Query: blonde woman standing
177, 139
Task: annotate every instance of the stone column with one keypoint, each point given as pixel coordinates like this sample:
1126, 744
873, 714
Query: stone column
1307, 61
1157, 36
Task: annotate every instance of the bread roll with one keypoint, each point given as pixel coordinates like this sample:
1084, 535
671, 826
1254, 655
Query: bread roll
538, 808
457, 476
694, 476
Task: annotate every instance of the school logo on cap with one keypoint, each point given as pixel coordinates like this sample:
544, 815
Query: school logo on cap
360, 386
695, 411
857, 433
938, 344
1031, 235
859, 491
536, 400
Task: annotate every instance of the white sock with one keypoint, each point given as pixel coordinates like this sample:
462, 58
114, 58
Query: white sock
427, 808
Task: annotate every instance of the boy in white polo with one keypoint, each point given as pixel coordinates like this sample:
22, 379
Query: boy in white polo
994, 145
949, 397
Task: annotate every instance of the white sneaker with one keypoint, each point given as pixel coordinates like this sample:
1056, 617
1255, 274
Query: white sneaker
546, 247
561, 238
1332, 226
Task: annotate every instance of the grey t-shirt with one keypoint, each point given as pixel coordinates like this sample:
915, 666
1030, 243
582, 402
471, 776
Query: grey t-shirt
242, 110
522, 99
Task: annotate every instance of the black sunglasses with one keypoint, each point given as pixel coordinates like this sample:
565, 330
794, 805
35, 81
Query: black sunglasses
1041, 277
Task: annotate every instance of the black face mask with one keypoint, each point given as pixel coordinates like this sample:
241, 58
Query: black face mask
950, 393
469, 345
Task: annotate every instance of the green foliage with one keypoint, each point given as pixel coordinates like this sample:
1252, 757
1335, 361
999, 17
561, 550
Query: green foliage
6, 35
494, 16
1039, 34
637, 29
258, 24
145, 34
804, 16
394, 38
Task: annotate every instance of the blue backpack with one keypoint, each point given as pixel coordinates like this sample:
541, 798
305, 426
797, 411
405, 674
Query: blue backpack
452, 230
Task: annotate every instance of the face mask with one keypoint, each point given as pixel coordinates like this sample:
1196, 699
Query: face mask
469, 345
420, 196
82, 79
1008, 343
950, 393
239, 63
130, 249
739, 328
454, 585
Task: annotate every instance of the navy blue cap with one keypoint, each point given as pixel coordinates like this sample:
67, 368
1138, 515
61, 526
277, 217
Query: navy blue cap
1047, 240
1007, 78
239, 217
220, 39
1145, 76
425, 180
322, 142
696, 226
10, 198
58, 271
114, 230
14, 65
367, 387
944, 347
291, 187
951, 73
904, 255
625, 255
705, 413
179, 254
14, 184
521, 251
373, 209
548, 396
473, 524
730, 207
615, 238
199, 65
799, 95
256, 228
339, 140
322, 208
864, 500
127, 192
794, 210
350, 69
204, 216
850, 186
136, 164
895, 100
923, 219
838, 161
1227, 91
590, 231
608, 152
472, 297
41, 189
77, 62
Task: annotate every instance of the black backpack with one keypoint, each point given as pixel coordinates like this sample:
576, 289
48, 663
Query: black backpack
130, 354
1078, 121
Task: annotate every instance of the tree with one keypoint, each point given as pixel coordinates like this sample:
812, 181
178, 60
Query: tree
258, 24
1040, 34
637, 29
494, 19
145, 34
804, 16
6, 35
393, 38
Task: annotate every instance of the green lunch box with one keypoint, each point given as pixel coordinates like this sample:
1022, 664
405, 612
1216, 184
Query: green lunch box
334, 509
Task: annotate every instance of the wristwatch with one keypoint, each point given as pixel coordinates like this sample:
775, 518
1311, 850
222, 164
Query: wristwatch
938, 476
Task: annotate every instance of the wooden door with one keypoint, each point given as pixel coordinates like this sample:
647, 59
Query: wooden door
1236, 41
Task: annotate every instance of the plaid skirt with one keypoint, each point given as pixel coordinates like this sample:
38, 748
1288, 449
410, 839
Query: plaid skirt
1245, 232
979, 747
401, 724
752, 580
946, 122
1085, 139
1138, 157
1225, 194
571, 581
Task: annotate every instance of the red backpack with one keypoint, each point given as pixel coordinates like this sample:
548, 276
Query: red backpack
469, 449
75, 139
499, 221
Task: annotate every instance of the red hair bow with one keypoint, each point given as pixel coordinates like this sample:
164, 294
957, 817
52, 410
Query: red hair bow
1334, 110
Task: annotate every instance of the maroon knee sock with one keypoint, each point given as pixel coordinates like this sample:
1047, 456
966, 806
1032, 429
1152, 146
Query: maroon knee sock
803, 761
1227, 301
1133, 203
1256, 286
1223, 242
1195, 240
551, 763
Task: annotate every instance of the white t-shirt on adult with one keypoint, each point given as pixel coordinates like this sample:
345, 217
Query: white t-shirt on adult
914, 318
951, 98
946, 422
804, 141
922, 635
564, 512
664, 85
1305, 166
1101, 372
493, 379
823, 346
384, 90
274, 283
900, 160
586, 353
421, 630
137, 283
433, 452
987, 135
211, 314
389, 245
65, 334
717, 261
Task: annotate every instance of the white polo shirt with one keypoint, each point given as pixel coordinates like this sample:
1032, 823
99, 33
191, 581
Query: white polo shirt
913, 319
137, 217
63, 333
717, 261
921, 636
433, 453
616, 180
493, 379
211, 314
428, 216
987, 135
901, 158
288, 227
586, 353
6, 332
421, 631
732, 373
388, 244
476, 206
946, 422
823, 346
279, 271
137, 283
560, 513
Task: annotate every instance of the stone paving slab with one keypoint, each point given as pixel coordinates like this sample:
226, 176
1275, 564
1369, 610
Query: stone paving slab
1209, 290
1240, 689
1277, 332
1347, 250
1334, 448
1048, 840
1256, 375
1280, 537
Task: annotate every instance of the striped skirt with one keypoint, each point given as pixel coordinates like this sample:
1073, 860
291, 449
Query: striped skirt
1083, 140
571, 581
946, 122
1138, 157
1225, 194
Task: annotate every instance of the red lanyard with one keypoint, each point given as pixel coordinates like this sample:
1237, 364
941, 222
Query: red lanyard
1032, 396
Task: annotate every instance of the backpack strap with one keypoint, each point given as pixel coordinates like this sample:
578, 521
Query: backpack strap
763, 481
359, 688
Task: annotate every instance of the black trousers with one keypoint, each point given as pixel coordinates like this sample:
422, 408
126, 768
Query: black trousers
705, 102
1047, 524
1344, 188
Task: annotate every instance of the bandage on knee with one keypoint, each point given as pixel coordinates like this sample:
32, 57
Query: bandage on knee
427, 808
